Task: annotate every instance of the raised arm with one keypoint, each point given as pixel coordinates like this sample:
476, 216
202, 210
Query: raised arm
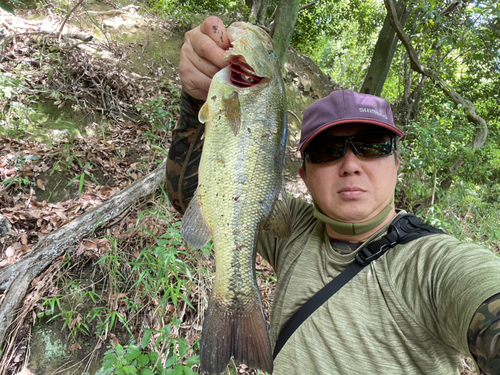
484, 336
202, 55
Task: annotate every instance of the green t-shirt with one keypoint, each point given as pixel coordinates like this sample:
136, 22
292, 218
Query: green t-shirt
406, 313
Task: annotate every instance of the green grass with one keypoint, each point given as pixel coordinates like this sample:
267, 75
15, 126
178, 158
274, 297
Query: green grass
144, 278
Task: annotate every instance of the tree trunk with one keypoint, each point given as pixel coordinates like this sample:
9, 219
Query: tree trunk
16, 278
258, 10
285, 20
384, 53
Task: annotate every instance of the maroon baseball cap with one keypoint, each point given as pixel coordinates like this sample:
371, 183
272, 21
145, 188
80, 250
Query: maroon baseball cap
342, 107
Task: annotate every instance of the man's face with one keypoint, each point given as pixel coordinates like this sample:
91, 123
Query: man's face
351, 189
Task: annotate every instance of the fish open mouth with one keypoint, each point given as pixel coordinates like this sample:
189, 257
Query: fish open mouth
242, 74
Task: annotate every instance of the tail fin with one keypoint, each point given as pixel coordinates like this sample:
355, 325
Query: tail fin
238, 332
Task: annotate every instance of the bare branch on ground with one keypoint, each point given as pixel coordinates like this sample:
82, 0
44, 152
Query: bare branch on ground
67, 18
47, 34
16, 278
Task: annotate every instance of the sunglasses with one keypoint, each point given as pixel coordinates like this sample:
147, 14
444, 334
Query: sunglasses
368, 145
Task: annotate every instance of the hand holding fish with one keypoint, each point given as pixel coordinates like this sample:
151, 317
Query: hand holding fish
239, 182
202, 56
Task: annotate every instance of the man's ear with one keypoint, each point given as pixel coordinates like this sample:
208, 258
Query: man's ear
302, 173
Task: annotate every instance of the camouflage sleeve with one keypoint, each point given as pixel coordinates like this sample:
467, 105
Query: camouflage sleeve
483, 336
184, 154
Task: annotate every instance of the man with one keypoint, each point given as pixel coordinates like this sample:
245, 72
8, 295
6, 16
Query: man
413, 311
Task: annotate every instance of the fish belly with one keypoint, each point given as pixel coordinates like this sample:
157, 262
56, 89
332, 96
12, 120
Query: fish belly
240, 178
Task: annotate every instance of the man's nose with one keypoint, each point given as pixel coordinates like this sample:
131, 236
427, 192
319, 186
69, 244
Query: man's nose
349, 163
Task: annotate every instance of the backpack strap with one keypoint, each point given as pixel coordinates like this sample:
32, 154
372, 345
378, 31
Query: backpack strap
403, 229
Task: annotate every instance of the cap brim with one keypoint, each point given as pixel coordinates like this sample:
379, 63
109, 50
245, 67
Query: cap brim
395, 130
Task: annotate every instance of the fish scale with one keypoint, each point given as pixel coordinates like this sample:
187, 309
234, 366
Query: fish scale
240, 180
239, 199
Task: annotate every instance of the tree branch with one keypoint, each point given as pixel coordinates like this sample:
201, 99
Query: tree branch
450, 8
67, 18
308, 5
469, 109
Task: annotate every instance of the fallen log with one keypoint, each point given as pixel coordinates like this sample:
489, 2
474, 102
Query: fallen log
16, 278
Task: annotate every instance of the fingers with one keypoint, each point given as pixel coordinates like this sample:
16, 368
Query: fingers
202, 56
195, 79
214, 28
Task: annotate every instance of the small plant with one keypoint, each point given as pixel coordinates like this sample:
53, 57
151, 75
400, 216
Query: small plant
160, 111
81, 177
50, 304
163, 269
131, 359
18, 182
74, 321
20, 164
159, 117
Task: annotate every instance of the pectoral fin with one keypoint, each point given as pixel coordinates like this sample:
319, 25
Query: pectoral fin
279, 221
195, 230
232, 110
204, 114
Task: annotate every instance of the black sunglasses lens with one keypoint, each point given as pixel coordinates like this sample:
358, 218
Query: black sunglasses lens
368, 145
373, 145
328, 150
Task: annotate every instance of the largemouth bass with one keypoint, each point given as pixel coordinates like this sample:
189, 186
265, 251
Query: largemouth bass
238, 194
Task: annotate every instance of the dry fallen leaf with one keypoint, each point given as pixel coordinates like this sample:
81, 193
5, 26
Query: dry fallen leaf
35, 281
25, 371
9, 251
40, 184
89, 244
34, 214
75, 321
121, 295
74, 347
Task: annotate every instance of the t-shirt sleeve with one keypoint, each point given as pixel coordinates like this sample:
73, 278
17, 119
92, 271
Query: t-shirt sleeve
444, 282
273, 249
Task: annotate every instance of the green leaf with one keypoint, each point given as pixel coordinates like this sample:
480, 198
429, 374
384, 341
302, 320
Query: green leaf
182, 348
193, 360
146, 372
153, 357
146, 338
73, 179
119, 349
130, 370
109, 363
133, 353
143, 360
82, 180
171, 361
188, 371
178, 369
6, 7
187, 301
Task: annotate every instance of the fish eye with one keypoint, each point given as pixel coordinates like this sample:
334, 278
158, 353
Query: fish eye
271, 53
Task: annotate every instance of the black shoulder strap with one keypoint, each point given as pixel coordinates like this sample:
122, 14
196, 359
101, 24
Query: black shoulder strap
403, 229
